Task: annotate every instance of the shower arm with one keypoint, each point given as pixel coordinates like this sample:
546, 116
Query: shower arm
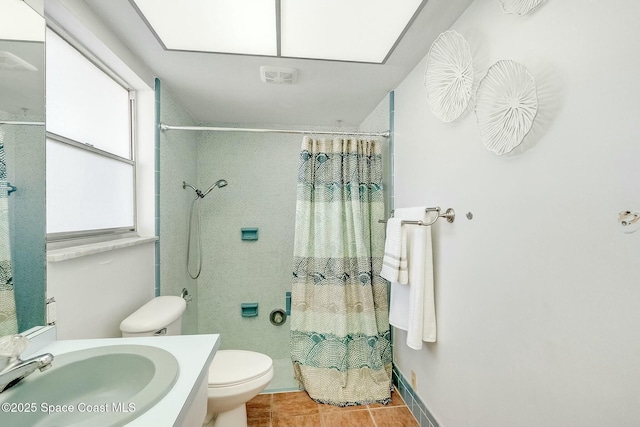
198, 192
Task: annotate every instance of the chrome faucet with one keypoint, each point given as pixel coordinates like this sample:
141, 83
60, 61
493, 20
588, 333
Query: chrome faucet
12, 368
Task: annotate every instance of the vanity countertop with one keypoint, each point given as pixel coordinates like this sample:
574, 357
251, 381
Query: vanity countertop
194, 354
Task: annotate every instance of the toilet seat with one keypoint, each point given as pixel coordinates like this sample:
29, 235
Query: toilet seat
235, 367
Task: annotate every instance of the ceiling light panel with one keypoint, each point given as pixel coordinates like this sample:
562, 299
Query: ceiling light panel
343, 30
225, 26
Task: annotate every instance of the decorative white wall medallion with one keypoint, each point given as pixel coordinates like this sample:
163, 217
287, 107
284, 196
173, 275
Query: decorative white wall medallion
449, 76
506, 104
519, 7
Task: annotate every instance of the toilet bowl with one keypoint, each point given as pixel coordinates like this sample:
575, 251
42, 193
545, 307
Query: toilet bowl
235, 376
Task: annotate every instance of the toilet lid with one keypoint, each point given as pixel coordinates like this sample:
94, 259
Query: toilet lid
230, 367
158, 313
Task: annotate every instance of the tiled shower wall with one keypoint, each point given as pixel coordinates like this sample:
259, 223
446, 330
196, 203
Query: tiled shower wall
262, 171
177, 163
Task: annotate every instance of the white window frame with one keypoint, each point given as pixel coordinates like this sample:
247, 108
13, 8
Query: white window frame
78, 234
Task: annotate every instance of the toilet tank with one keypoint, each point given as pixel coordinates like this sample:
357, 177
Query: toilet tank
160, 316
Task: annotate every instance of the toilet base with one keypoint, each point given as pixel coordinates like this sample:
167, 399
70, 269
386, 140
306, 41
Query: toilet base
236, 417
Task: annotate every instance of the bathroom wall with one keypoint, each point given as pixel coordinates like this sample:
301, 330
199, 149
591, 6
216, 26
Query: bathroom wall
379, 120
178, 163
262, 173
537, 296
95, 292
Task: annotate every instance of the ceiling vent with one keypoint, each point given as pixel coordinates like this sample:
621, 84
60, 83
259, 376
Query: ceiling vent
9, 61
278, 75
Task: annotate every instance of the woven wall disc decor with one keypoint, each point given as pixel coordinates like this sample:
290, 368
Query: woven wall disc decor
448, 77
506, 104
519, 7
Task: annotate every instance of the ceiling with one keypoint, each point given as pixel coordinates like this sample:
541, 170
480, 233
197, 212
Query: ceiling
360, 31
221, 88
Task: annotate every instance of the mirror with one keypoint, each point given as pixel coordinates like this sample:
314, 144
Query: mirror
22, 166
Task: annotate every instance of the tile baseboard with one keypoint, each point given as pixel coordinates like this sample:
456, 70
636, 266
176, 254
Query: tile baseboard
415, 405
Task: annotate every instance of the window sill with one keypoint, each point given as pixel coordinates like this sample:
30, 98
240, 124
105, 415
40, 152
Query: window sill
71, 252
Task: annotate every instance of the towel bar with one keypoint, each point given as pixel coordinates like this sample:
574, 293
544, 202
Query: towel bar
449, 214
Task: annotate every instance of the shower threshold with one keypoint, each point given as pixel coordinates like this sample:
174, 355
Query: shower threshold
283, 379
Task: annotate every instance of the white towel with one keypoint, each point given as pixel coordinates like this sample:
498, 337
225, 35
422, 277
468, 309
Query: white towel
412, 307
394, 263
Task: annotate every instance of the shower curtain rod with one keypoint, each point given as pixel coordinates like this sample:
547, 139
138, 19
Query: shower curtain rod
14, 122
164, 127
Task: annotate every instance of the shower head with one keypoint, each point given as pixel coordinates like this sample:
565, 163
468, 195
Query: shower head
219, 183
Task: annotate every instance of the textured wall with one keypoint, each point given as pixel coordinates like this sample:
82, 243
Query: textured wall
262, 171
537, 296
177, 164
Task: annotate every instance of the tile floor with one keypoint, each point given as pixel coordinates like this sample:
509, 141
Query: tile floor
296, 409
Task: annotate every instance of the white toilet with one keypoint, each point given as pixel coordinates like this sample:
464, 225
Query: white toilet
235, 376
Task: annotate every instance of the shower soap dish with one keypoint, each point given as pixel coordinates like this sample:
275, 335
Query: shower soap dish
249, 233
249, 309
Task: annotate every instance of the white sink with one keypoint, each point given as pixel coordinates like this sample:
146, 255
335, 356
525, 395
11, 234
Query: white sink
103, 386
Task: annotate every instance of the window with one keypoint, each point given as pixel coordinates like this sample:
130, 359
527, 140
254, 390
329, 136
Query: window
90, 163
